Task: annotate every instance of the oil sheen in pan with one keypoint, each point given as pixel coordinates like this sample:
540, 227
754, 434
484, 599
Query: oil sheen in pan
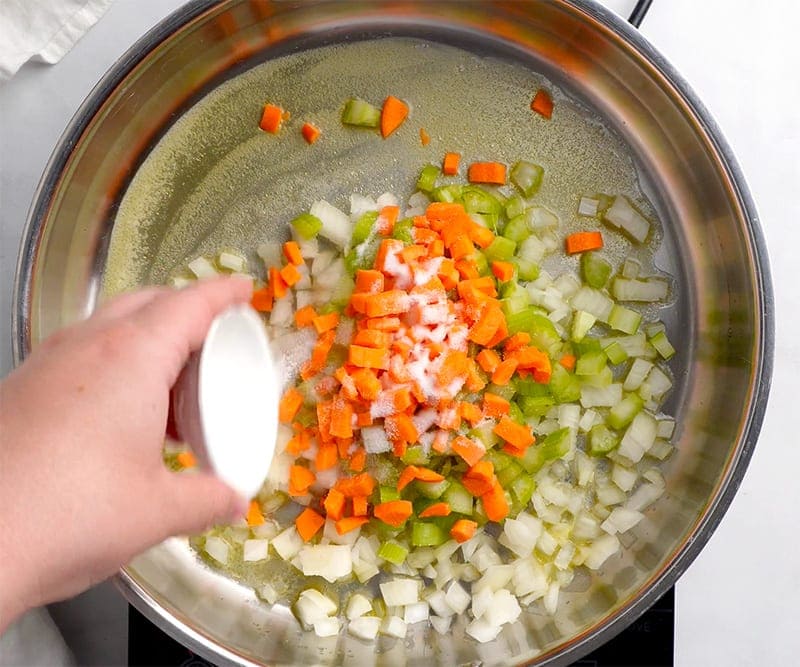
216, 180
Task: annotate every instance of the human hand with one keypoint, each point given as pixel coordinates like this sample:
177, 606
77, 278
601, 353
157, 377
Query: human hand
83, 487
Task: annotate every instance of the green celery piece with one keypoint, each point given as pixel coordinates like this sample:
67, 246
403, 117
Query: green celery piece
379, 607
535, 406
582, 322
360, 113
484, 433
662, 345
526, 269
402, 230
500, 249
447, 193
307, 226
415, 456
616, 353
602, 379
427, 178
363, 227
554, 446
565, 387
306, 416
516, 414
530, 387
623, 412
517, 229
595, 270
343, 289
393, 552
587, 346
601, 440
505, 391
507, 475
459, 499
427, 534
527, 176
591, 363
522, 490
498, 459
515, 206
480, 262
388, 493
544, 335
431, 490
488, 220
518, 321
624, 319
445, 523
478, 200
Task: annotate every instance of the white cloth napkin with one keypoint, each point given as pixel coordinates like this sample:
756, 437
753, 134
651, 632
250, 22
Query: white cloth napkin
43, 30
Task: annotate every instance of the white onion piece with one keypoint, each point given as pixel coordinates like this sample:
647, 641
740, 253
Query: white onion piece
327, 627
202, 268
254, 550
482, 631
441, 624
621, 520
218, 549
623, 215
416, 613
358, 605
365, 627
394, 626
331, 562
457, 598
336, 226
400, 592
503, 608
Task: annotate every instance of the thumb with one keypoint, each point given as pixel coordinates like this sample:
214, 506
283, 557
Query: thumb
201, 500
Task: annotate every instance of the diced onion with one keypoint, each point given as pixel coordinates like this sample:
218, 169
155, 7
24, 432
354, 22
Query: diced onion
365, 627
255, 550
218, 549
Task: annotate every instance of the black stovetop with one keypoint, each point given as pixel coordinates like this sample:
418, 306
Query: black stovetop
646, 643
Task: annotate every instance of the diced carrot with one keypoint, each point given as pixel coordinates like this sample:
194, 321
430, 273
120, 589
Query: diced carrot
461, 247
441, 214
515, 434
424, 137
387, 216
568, 361
467, 269
494, 405
300, 479
471, 412
517, 341
358, 302
349, 523
437, 509
487, 325
463, 530
360, 485
467, 449
387, 247
402, 399
323, 323
343, 446
408, 475
412, 252
440, 441
392, 302
254, 515
542, 103
359, 458
428, 475
341, 418
334, 504
349, 390
304, 317
479, 478
292, 253
450, 164
276, 283
298, 444
262, 300
390, 324
400, 428
319, 355
436, 248
327, 385
583, 241
289, 405
514, 451
475, 381
290, 274
489, 360
500, 336
481, 236
453, 367
364, 419
393, 113
368, 357
359, 506
503, 271
369, 281
399, 448
394, 512
327, 456
308, 523
495, 503
424, 236
504, 371
367, 384
448, 419
186, 459
324, 420
271, 118
372, 338
493, 173
310, 132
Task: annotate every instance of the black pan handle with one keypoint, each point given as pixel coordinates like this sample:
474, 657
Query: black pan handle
639, 12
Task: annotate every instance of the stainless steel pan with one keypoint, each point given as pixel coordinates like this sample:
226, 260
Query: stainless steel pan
712, 246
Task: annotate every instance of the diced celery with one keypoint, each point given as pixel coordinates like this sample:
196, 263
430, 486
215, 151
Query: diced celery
388, 493
306, 417
427, 534
652, 328
480, 262
515, 206
445, 523
652, 289
415, 456
431, 489
582, 322
393, 552
615, 352
526, 269
484, 433
515, 413
554, 446
508, 474
307, 226
498, 459
601, 440
447, 193
359, 112
630, 268
500, 249
478, 200
488, 220
521, 320
427, 178
587, 346
363, 227
566, 388
527, 176
624, 319
662, 345
529, 387
602, 379
623, 412
535, 406
543, 334
403, 230
592, 301
591, 363
522, 490
595, 270
459, 499
517, 229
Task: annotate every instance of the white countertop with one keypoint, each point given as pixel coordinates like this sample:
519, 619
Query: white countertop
739, 603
